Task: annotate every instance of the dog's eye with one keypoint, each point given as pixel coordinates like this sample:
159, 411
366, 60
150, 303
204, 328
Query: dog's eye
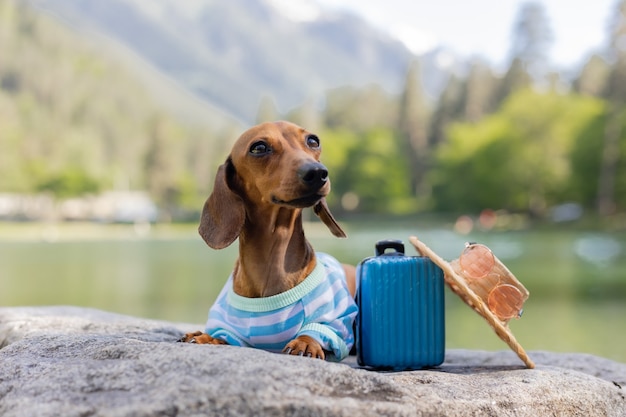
260, 148
313, 141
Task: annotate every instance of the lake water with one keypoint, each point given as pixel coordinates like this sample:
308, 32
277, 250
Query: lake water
577, 279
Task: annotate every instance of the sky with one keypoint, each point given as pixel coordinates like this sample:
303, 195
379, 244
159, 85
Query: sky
482, 27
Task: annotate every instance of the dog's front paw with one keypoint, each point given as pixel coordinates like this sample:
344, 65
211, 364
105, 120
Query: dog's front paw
201, 339
305, 346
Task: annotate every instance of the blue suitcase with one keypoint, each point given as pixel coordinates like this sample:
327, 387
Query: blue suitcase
400, 324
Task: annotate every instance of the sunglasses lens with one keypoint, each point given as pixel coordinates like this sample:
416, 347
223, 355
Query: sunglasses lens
476, 261
505, 301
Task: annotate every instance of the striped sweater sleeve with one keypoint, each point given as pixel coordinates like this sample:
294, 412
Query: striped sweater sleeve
330, 311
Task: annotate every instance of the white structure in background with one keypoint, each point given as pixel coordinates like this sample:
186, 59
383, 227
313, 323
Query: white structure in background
25, 206
125, 207
111, 206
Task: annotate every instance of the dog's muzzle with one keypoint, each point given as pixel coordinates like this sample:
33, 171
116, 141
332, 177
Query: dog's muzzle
313, 175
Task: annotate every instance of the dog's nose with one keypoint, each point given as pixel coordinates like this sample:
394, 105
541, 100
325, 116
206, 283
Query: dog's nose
314, 175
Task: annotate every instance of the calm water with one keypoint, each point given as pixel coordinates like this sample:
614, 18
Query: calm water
577, 280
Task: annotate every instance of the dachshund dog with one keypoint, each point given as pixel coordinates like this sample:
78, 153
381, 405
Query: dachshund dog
281, 295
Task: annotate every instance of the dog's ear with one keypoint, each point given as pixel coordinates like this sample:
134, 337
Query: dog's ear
224, 213
322, 211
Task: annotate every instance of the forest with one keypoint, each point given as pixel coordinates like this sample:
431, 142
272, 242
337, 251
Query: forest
524, 140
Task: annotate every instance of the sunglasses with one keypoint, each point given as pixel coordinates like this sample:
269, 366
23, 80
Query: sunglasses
492, 281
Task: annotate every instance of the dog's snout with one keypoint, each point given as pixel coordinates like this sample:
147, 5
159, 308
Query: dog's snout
313, 175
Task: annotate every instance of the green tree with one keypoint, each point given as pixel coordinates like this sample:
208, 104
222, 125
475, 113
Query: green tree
586, 158
163, 162
516, 78
518, 158
448, 110
477, 96
413, 123
68, 183
532, 38
370, 168
614, 133
360, 109
593, 77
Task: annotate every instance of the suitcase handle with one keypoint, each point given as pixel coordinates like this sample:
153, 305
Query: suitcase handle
383, 245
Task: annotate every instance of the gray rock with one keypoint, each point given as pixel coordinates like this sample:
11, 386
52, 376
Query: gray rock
66, 361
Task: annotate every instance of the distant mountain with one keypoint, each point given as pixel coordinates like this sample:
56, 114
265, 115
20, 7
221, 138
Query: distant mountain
232, 53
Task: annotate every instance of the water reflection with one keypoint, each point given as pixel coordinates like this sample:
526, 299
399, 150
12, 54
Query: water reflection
506, 248
597, 248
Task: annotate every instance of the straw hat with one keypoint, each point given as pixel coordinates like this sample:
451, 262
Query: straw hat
476, 297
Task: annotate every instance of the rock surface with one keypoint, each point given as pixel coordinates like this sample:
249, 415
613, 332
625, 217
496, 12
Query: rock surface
67, 361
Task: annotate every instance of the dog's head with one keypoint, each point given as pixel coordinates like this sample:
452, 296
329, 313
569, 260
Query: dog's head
274, 164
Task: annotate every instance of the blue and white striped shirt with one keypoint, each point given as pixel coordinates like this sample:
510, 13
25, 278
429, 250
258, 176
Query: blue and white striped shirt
320, 307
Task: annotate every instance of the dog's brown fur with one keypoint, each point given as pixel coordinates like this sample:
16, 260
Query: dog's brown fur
271, 174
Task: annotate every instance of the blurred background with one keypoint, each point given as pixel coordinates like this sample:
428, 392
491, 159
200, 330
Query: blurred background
497, 122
